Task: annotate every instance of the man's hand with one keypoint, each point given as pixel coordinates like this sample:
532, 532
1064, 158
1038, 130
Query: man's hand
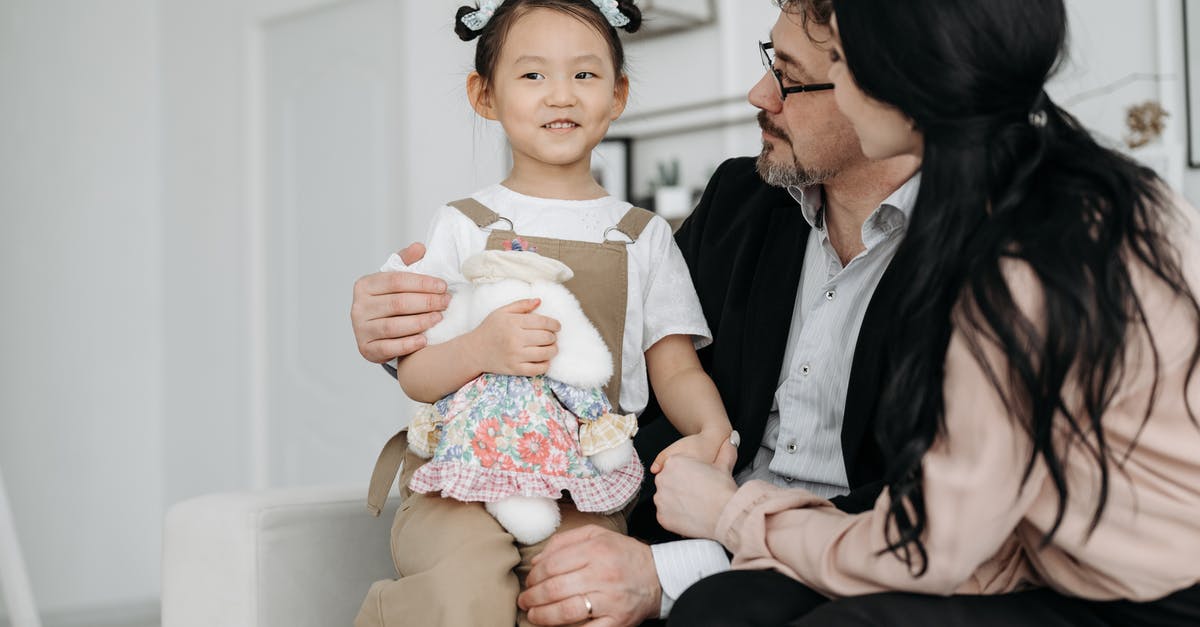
514, 340
614, 571
391, 310
691, 494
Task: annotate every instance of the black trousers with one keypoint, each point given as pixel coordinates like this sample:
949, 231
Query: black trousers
753, 598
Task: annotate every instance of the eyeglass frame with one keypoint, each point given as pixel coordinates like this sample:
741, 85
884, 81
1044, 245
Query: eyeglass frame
768, 62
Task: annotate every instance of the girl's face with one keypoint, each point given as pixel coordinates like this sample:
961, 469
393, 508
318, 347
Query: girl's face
883, 130
554, 90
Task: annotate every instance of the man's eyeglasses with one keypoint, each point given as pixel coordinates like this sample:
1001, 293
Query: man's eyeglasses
768, 61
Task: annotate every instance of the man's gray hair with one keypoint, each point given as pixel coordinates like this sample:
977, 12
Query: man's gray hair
817, 11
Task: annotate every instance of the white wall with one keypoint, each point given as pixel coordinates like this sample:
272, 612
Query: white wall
204, 229
81, 392
209, 68
718, 63
123, 350
451, 151
1109, 40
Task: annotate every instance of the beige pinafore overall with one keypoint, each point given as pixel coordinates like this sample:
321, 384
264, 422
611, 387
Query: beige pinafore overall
457, 565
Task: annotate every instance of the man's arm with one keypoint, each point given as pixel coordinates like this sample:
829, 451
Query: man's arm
391, 310
682, 563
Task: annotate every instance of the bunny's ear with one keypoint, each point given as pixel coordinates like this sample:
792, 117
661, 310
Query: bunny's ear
523, 265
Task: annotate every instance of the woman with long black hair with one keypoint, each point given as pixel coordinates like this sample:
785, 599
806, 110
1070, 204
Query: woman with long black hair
1040, 412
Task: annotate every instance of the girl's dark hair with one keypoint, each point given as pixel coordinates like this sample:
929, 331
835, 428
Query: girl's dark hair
493, 35
1007, 176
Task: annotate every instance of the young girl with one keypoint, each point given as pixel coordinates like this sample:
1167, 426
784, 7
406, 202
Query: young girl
552, 73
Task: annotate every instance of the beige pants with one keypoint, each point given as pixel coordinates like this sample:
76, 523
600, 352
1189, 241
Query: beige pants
458, 567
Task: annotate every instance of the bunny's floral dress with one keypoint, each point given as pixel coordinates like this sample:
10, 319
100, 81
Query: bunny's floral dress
504, 435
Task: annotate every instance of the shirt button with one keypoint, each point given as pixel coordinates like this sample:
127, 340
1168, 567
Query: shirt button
791, 447
805, 369
830, 294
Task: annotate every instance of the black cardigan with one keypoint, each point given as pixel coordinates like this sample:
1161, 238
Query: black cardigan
745, 245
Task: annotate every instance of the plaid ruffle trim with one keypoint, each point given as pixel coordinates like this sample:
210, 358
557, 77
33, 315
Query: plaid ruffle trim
605, 493
425, 431
606, 432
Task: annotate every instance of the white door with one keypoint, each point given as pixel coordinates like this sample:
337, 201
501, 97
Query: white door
329, 83
282, 132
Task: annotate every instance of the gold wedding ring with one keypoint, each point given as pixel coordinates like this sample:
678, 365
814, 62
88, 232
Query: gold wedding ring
587, 603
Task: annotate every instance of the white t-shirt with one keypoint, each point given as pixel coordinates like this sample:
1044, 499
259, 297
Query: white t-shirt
661, 301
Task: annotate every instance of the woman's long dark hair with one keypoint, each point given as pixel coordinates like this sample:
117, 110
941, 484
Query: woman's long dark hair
1007, 176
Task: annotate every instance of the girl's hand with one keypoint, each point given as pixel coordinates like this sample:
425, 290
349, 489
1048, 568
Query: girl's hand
703, 446
513, 340
691, 494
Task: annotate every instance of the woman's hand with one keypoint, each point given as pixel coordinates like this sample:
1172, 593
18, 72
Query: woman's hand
692, 494
514, 340
703, 446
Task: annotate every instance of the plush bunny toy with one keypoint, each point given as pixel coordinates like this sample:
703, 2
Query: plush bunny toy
516, 443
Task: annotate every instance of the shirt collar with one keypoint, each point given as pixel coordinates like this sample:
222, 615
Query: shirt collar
905, 197
900, 203
812, 200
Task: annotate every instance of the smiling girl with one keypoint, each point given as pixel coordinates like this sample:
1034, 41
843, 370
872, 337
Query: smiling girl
551, 72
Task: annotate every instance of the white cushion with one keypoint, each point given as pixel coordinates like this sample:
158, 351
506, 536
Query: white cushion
299, 557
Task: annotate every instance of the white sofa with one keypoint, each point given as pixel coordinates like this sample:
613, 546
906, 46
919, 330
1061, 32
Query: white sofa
300, 557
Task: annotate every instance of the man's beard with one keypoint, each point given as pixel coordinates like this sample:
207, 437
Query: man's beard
784, 174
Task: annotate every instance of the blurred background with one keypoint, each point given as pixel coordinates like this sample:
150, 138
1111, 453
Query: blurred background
189, 189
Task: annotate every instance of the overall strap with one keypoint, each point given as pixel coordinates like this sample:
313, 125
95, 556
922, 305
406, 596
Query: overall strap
634, 222
477, 212
384, 475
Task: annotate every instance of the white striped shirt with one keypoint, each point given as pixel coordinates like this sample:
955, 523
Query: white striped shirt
802, 444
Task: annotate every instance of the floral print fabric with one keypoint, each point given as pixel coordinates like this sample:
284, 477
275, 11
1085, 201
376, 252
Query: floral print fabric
507, 435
